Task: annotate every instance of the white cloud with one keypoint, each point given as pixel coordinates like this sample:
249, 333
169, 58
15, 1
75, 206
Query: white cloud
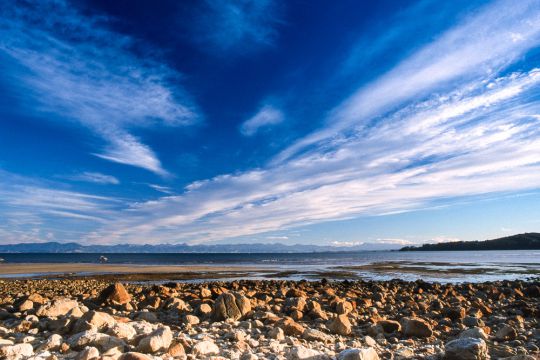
95, 177
268, 115
449, 122
71, 67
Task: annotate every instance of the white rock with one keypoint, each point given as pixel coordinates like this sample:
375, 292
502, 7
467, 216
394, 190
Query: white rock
16, 352
358, 354
205, 348
158, 340
300, 352
89, 353
53, 342
103, 342
466, 349
123, 331
58, 307
476, 333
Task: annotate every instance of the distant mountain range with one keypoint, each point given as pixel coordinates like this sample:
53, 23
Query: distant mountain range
56, 247
527, 241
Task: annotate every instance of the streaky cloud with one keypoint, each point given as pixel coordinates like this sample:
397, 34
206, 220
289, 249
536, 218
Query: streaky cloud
266, 116
72, 68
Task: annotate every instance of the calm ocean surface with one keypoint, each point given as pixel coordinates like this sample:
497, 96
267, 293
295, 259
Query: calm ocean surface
435, 266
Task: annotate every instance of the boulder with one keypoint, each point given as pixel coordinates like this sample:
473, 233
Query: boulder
476, 333
340, 325
230, 306
389, 326
159, 340
466, 349
122, 331
315, 335
291, 327
300, 352
358, 354
14, 352
506, 333
89, 353
115, 294
53, 343
94, 320
58, 307
103, 342
416, 327
134, 356
205, 348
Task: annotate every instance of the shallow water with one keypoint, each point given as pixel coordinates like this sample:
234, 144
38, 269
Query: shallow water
443, 266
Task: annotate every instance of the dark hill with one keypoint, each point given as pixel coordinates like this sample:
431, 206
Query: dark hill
527, 241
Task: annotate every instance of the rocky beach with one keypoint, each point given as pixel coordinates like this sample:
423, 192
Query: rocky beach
85, 319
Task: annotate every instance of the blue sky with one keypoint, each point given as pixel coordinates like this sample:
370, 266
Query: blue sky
261, 121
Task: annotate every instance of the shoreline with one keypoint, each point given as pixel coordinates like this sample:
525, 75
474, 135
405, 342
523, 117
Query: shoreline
268, 319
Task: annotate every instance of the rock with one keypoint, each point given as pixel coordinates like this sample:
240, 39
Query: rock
15, 352
94, 320
191, 320
122, 331
476, 333
455, 313
340, 325
358, 354
315, 335
150, 317
506, 333
300, 352
26, 305
177, 350
103, 342
115, 294
291, 327
134, 356
466, 349
390, 326
416, 327
344, 307
230, 306
58, 307
159, 340
53, 343
276, 333
205, 348
89, 353
205, 310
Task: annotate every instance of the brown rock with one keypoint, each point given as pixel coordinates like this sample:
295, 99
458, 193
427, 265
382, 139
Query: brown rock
340, 325
230, 306
390, 326
291, 327
416, 327
134, 356
115, 294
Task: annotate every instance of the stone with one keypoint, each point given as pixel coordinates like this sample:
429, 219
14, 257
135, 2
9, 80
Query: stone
58, 307
53, 342
176, 350
134, 356
506, 333
94, 320
300, 352
466, 349
344, 307
205, 348
390, 326
476, 333
122, 331
191, 320
230, 306
115, 294
205, 310
316, 335
340, 325
159, 340
26, 305
89, 353
291, 327
276, 334
14, 352
416, 327
358, 354
103, 342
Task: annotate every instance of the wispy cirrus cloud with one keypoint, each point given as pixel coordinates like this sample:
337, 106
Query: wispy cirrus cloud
95, 177
266, 116
448, 122
236, 26
71, 67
